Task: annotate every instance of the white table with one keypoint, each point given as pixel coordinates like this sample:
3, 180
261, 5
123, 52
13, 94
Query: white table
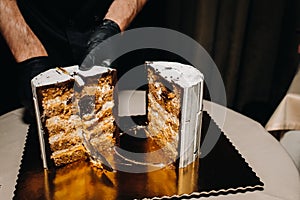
284, 123
287, 115
263, 153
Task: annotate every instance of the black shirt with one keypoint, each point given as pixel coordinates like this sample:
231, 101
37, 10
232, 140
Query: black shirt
81, 14
64, 26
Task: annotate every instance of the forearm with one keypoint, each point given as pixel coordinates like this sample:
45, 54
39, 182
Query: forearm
22, 42
124, 11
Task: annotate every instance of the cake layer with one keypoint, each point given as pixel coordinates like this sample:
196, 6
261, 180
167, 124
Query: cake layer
103, 97
106, 126
60, 125
105, 111
70, 155
155, 110
169, 98
64, 141
57, 101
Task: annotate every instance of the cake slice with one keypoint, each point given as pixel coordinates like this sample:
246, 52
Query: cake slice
70, 103
174, 110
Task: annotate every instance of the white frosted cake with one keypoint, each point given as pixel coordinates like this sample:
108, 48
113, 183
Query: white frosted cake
71, 104
175, 109
75, 110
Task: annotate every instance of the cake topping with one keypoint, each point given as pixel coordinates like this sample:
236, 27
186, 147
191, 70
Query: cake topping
173, 72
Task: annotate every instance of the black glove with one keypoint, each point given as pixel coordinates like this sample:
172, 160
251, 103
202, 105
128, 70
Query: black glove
101, 33
29, 69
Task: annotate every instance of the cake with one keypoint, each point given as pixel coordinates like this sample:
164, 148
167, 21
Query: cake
174, 110
77, 121
72, 107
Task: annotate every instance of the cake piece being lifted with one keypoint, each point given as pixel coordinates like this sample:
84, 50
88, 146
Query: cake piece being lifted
174, 110
70, 104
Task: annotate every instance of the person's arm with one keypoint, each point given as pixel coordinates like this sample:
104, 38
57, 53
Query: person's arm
119, 16
22, 42
124, 11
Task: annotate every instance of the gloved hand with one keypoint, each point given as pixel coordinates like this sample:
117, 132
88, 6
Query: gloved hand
29, 69
94, 56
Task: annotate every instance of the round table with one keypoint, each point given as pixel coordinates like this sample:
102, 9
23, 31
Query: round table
261, 150
264, 154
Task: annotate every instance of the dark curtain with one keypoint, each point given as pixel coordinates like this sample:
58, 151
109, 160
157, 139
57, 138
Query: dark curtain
253, 43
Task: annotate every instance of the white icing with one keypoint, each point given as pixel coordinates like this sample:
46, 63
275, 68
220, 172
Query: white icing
61, 135
159, 91
157, 84
66, 150
183, 75
109, 119
105, 108
94, 71
105, 88
54, 101
53, 76
90, 122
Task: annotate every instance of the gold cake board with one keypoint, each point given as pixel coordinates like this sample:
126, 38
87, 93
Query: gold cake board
221, 172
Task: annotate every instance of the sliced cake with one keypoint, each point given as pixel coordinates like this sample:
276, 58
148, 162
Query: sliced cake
71, 104
174, 110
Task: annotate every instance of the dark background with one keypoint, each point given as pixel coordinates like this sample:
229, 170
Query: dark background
253, 43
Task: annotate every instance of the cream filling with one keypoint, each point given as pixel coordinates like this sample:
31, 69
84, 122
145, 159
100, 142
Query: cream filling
63, 151
103, 93
92, 89
105, 108
157, 108
57, 100
74, 120
107, 105
159, 91
62, 135
53, 123
159, 121
155, 128
96, 124
158, 124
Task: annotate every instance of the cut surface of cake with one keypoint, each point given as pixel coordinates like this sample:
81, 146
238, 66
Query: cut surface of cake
174, 110
71, 104
76, 107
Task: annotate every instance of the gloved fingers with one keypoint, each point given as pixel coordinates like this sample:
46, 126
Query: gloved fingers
34, 66
29, 69
99, 46
101, 55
